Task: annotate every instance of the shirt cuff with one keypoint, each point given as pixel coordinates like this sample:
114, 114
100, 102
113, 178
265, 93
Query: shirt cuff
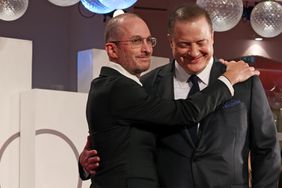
227, 83
85, 173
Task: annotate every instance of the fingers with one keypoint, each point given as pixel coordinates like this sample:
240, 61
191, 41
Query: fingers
254, 71
92, 165
89, 160
251, 71
257, 72
222, 61
91, 153
229, 63
239, 71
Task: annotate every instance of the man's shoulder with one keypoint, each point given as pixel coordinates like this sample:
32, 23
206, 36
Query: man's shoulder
157, 71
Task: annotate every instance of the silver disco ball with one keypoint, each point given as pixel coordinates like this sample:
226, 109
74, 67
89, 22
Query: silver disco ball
266, 19
12, 9
225, 14
64, 3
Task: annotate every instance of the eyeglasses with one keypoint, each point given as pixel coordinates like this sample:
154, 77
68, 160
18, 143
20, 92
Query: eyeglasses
138, 41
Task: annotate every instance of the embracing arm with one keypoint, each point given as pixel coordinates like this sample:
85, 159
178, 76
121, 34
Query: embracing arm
136, 105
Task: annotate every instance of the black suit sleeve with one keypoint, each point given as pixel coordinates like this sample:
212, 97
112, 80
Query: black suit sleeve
82, 174
130, 101
265, 152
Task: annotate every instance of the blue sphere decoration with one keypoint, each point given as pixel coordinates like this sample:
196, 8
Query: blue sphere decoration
118, 4
96, 6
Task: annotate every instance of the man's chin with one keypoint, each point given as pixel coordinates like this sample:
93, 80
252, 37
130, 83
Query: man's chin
145, 65
143, 69
195, 68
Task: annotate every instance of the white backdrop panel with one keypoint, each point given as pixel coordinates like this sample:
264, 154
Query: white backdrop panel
15, 76
54, 129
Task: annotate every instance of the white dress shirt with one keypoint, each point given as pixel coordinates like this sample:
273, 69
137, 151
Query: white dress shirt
124, 72
182, 87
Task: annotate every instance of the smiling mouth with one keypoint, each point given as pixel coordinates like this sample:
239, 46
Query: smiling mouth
194, 60
144, 58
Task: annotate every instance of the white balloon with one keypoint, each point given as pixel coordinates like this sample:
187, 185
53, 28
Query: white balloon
118, 4
118, 12
266, 19
64, 3
11, 10
225, 14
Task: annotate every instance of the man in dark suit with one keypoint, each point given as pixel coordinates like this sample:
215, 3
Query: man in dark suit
122, 117
219, 157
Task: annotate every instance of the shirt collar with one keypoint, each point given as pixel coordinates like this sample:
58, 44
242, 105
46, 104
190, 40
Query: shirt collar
182, 75
124, 72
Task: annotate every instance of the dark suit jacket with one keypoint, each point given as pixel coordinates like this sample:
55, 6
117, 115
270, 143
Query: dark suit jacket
220, 160
117, 108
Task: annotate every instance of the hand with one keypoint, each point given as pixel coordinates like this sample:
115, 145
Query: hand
89, 159
238, 71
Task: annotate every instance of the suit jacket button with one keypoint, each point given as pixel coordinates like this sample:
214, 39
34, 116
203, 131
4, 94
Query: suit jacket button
194, 158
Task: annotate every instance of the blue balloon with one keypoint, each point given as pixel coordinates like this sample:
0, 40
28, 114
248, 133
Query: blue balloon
118, 4
96, 6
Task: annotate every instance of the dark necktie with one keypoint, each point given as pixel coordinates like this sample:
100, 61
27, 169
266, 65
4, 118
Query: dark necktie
194, 79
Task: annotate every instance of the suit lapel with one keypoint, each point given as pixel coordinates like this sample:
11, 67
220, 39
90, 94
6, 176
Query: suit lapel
167, 75
216, 71
164, 87
164, 82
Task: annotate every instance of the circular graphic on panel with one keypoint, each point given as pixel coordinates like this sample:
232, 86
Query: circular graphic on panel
39, 132
5, 146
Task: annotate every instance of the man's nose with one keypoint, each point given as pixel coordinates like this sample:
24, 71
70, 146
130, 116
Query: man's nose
146, 46
193, 51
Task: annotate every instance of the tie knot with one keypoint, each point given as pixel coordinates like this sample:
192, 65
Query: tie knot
194, 79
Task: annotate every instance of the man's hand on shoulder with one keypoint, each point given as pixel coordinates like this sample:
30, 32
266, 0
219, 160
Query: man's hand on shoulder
238, 71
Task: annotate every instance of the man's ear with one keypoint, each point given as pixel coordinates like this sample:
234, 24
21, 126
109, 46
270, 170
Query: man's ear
111, 50
169, 37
